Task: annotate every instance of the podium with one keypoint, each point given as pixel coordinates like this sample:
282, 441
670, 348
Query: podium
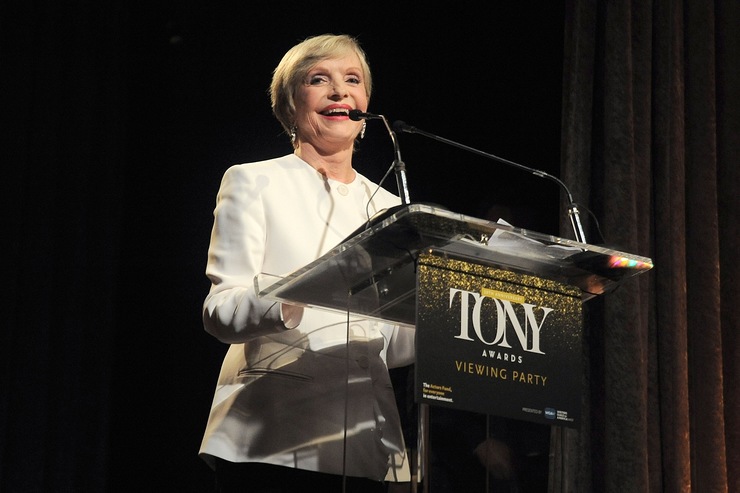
497, 309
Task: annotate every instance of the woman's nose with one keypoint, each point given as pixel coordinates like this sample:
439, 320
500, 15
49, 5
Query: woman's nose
339, 88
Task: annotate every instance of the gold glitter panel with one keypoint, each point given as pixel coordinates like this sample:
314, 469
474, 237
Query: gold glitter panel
497, 342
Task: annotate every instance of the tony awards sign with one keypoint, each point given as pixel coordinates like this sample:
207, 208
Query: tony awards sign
497, 342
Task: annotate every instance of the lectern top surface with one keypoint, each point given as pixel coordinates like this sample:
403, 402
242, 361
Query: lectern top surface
375, 265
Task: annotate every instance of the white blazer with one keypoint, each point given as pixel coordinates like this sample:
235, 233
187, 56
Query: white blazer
281, 393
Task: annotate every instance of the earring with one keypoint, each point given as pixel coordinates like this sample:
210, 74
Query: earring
362, 132
293, 130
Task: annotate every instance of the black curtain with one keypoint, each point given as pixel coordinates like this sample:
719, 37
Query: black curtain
63, 103
650, 137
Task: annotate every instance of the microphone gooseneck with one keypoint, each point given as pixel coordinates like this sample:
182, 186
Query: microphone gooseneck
573, 213
398, 164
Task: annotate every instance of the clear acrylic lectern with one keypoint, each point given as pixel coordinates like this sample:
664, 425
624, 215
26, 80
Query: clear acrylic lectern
474, 289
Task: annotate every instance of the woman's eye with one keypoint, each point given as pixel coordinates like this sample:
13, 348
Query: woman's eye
318, 80
353, 80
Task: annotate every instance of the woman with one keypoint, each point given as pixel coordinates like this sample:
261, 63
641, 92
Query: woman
304, 397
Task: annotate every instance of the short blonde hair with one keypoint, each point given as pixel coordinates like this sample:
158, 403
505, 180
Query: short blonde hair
291, 72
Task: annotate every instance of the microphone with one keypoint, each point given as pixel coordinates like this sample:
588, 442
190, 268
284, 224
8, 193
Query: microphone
573, 213
398, 164
357, 115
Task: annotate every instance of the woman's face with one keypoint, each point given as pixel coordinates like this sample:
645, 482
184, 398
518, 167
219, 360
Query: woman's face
331, 88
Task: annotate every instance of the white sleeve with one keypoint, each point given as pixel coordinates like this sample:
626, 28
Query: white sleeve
401, 349
232, 312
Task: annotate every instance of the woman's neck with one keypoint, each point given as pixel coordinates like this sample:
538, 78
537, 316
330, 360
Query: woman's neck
336, 166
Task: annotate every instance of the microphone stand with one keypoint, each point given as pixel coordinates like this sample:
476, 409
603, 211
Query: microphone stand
573, 213
398, 166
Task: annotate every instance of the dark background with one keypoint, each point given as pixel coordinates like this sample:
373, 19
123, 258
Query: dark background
129, 113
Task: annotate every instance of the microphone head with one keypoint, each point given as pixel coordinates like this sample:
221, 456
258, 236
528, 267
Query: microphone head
399, 126
356, 115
